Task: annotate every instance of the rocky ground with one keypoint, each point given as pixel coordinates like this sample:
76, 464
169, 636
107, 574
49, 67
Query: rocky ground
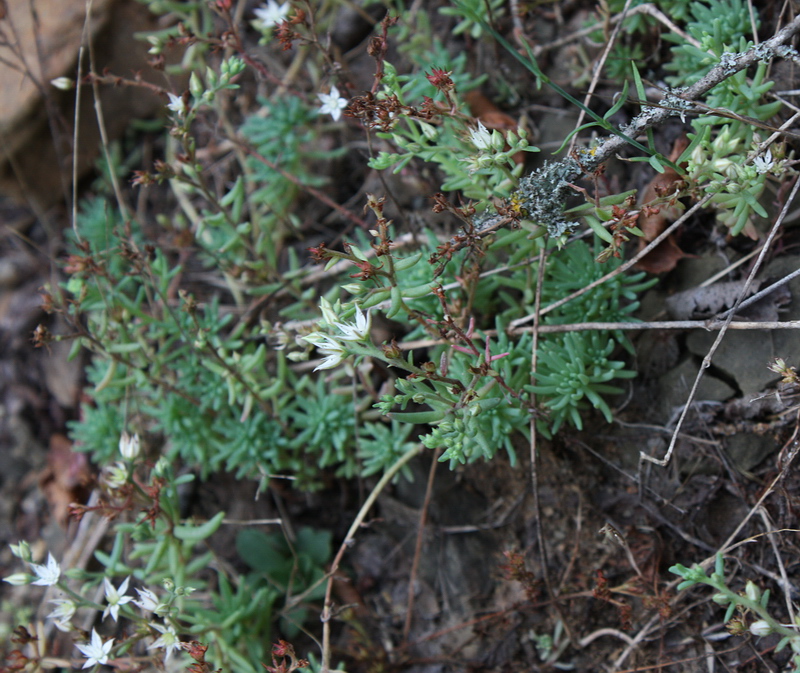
483, 594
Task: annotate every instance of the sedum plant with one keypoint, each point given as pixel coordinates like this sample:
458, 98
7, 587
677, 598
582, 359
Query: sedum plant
214, 384
222, 392
160, 579
717, 143
478, 396
745, 611
474, 160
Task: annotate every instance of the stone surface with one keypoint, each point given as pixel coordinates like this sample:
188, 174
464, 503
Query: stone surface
746, 450
674, 387
43, 45
743, 356
36, 120
786, 343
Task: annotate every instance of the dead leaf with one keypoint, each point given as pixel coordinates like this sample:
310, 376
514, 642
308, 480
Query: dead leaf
654, 219
705, 302
65, 478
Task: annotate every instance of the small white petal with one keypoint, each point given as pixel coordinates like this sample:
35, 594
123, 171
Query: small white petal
271, 14
332, 103
176, 104
63, 83
358, 331
96, 651
48, 574
761, 628
481, 137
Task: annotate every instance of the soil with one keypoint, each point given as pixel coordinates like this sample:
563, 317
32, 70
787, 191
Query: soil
575, 548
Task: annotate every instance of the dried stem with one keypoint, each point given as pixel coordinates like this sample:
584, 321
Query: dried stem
348, 540
663, 462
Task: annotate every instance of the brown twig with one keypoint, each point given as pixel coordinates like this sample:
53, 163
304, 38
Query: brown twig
533, 433
649, 9
327, 612
423, 518
788, 455
622, 267
316, 193
546, 206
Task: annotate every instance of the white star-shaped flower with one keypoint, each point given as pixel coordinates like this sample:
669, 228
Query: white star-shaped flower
332, 103
63, 613
116, 597
168, 640
764, 163
48, 574
481, 137
176, 104
332, 350
148, 600
358, 331
271, 14
97, 651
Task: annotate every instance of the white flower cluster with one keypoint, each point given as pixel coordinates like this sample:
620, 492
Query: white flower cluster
98, 651
44, 575
333, 347
494, 148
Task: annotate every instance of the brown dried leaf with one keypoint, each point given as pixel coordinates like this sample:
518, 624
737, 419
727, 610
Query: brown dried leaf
653, 220
704, 302
65, 478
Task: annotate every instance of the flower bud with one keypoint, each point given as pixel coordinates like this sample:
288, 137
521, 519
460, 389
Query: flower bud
428, 130
761, 628
157, 47
498, 141
18, 579
129, 446
63, 83
752, 591
329, 314
21, 551
721, 599
163, 468
196, 86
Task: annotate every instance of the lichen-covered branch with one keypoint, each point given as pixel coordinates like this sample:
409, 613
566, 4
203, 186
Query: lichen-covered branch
544, 192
